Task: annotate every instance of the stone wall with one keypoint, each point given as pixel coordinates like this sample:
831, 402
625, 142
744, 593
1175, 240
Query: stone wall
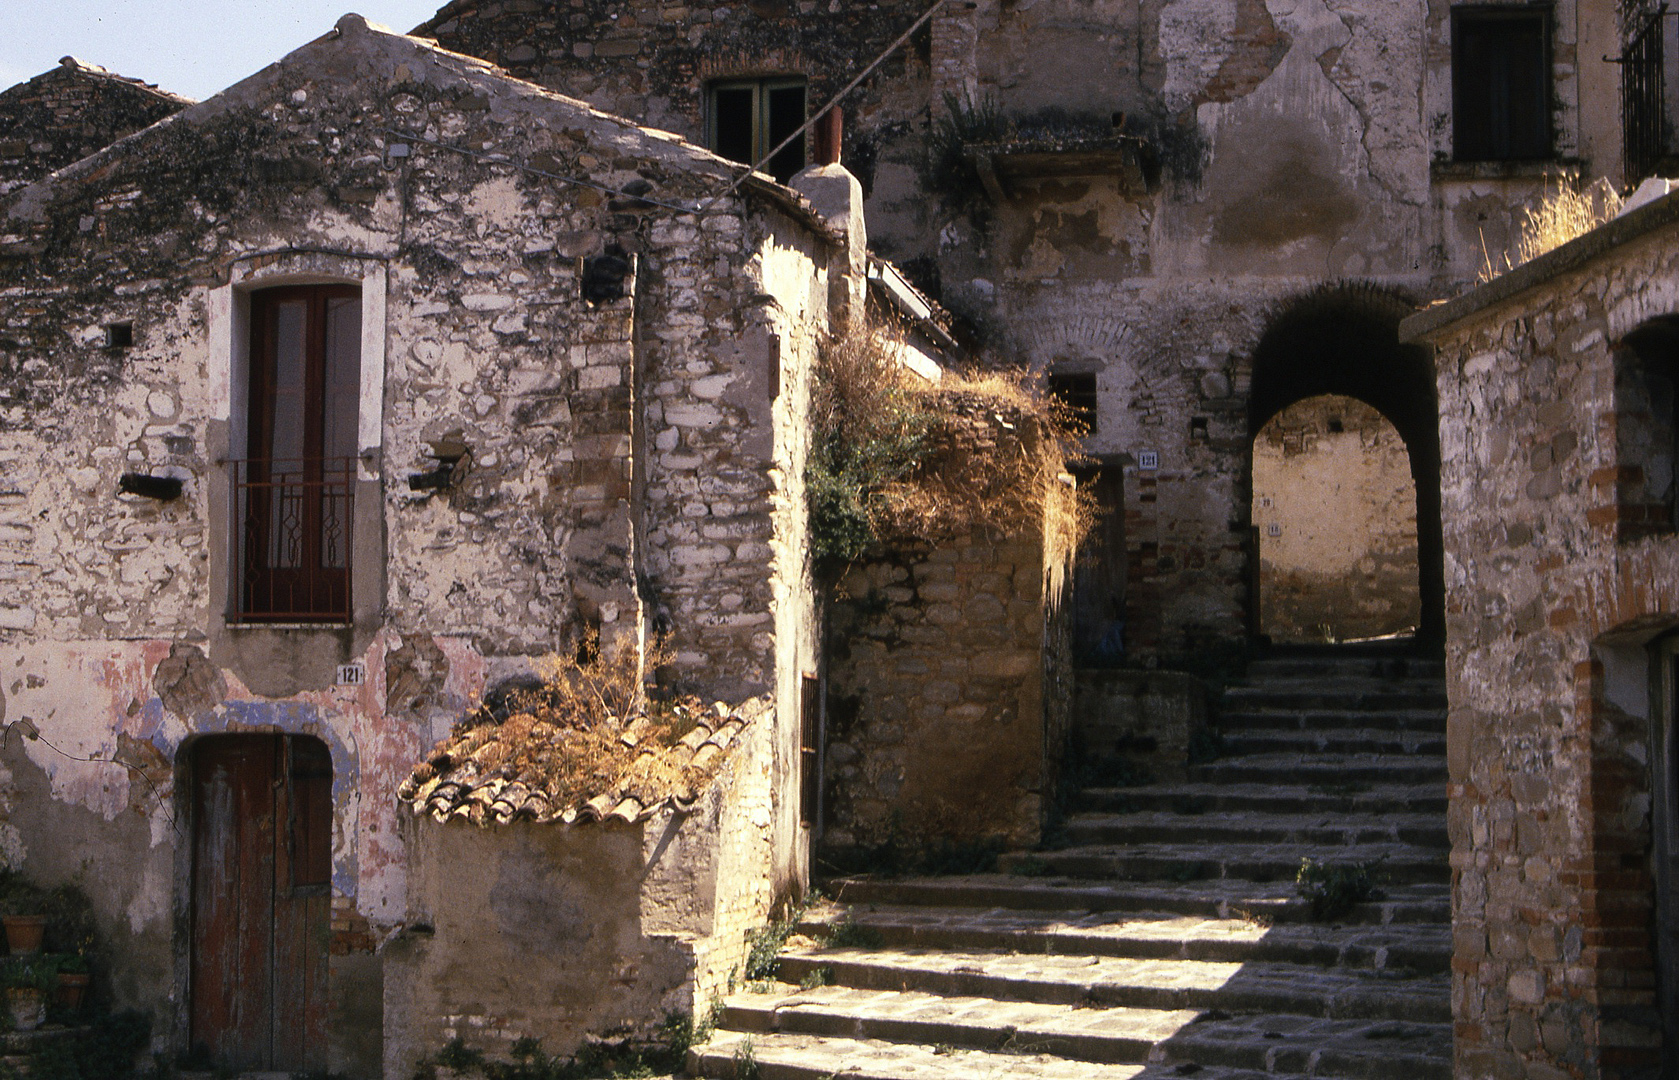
1332, 477
1146, 719
67, 113
1181, 171
629, 461
936, 696
1551, 742
561, 932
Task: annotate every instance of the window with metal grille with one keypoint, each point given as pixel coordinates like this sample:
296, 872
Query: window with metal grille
750, 117
292, 493
1075, 393
1501, 83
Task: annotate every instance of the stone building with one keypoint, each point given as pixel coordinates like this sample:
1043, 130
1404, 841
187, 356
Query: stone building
329, 404
67, 113
1556, 402
1197, 214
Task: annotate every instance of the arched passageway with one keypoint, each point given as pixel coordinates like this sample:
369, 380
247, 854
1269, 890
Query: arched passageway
1335, 509
1344, 340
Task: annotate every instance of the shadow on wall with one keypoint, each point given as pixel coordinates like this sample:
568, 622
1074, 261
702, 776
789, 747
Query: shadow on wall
1335, 509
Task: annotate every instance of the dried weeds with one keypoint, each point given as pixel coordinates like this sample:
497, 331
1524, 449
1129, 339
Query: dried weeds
1563, 213
898, 459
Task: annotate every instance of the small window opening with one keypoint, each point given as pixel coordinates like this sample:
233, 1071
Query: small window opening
119, 335
749, 118
1336, 427
1198, 428
1075, 396
1646, 429
1501, 83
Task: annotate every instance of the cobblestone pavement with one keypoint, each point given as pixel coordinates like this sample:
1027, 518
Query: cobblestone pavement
1164, 936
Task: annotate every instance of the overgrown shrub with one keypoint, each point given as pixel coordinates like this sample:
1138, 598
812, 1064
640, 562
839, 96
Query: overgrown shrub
1333, 890
963, 124
895, 459
1563, 213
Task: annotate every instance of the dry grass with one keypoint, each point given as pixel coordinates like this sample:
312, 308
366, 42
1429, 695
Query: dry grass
898, 459
1562, 214
587, 729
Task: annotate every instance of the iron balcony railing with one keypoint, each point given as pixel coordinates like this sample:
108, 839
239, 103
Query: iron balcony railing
1646, 113
293, 538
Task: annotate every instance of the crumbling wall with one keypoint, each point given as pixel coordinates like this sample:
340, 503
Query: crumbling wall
936, 694
1332, 478
1551, 602
67, 113
545, 335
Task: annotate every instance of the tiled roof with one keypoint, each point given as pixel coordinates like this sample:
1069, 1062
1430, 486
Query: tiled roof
482, 775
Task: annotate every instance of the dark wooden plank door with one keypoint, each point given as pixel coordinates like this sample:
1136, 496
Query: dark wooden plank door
262, 814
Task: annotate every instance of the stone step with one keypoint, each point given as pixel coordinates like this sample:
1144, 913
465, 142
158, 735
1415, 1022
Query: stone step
1309, 769
1318, 695
1116, 1035
1325, 797
1246, 718
1423, 949
1367, 667
1239, 740
1130, 982
786, 1056
1399, 863
1275, 901
1327, 830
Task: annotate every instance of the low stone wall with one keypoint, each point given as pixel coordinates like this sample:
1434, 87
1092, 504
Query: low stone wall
936, 711
1145, 717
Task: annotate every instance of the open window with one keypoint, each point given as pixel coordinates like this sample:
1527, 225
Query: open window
1501, 83
1074, 393
1647, 429
750, 117
293, 491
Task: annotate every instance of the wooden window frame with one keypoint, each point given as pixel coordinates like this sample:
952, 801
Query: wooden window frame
762, 143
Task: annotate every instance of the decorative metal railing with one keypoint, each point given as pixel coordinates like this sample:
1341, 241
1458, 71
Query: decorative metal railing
1644, 110
293, 538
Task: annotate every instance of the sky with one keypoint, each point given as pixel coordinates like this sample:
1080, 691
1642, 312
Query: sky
190, 47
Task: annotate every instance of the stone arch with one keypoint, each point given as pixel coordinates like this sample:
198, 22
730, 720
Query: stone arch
1343, 338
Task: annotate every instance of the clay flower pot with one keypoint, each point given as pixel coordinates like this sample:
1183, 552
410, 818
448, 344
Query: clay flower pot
28, 1007
72, 987
23, 933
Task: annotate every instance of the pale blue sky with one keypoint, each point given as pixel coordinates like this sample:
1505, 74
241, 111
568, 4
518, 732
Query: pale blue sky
192, 47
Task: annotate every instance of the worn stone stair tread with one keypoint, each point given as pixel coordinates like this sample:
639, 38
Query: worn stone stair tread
1419, 902
1372, 798
788, 1056
1256, 717
1159, 935
1106, 1034
1160, 983
1393, 855
1319, 828
1334, 740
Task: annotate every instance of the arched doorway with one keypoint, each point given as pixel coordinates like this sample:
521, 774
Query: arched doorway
1335, 509
261, 900
1344, 340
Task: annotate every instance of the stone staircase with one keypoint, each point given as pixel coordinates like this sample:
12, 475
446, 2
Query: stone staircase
1163, 936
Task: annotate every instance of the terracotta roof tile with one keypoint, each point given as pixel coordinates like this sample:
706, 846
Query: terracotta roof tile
471, 775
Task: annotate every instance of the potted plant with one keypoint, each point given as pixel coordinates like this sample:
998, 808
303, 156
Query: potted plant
73, 977
27, 981
23, 911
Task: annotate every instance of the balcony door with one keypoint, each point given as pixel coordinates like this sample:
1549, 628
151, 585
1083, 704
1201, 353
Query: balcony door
293, 492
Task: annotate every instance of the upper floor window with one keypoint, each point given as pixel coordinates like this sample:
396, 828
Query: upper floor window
1501, 83
293, 492
750, 117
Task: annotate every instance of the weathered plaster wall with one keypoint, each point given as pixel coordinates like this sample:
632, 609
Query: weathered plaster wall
633, 462
1548, 742
1334, 478
67, 113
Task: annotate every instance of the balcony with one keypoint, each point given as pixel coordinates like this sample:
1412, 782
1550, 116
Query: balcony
292, 539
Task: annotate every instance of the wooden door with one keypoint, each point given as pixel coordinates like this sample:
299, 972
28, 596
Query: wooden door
1099, 571
261, 900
